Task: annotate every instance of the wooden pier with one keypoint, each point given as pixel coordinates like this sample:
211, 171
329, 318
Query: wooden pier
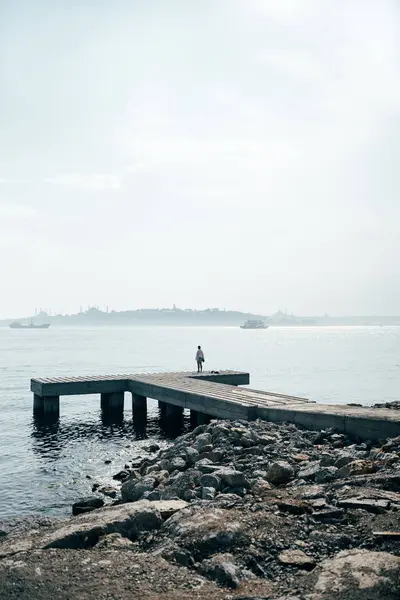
212, 394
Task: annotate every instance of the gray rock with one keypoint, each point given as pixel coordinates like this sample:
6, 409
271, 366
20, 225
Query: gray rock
189, 495
209, 480
152, 496
252, 451
152, 469
280, 472
343, 460
327, 460
266, 440
232, 477
114, 541
203, 440
178, 464
152, 447
206, 449
133, 490
85, 505
221, 568
121, 475
190, 455
86, 529
199, 430
326, 474
184, 481
356, 574
368, 504
206, 466
215, 455
236, 490
296, 558
108, 491
309, 471
208, 493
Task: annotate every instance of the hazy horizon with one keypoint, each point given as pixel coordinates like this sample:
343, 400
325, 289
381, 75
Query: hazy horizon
231, 153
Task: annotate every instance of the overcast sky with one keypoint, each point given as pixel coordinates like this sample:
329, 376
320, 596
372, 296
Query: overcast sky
226, 153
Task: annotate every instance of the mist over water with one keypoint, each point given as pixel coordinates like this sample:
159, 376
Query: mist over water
43, 468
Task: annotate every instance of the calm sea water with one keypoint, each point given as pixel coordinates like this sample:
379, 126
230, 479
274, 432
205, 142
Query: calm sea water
43, 469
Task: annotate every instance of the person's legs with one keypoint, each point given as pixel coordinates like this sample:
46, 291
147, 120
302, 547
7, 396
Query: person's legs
201, 366
198, 366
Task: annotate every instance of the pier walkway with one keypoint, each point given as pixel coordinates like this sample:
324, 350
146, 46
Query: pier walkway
213, 394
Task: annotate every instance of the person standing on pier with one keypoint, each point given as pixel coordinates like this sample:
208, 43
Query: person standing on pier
199, 359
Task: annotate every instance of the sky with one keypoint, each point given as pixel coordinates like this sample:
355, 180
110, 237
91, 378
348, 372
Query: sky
240, 154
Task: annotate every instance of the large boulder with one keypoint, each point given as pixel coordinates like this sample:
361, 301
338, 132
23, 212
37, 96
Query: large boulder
132, 490
206, 531
85, 530
357, 467
280, 472
357, 575
222, 569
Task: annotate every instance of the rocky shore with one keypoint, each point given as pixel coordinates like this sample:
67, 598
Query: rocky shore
251, 511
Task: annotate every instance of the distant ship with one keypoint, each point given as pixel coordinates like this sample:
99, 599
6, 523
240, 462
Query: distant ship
18, 325
254, 325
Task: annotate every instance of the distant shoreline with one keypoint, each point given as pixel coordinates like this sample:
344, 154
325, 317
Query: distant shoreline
212, 317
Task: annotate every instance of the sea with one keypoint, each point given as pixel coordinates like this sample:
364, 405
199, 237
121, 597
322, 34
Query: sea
44, 469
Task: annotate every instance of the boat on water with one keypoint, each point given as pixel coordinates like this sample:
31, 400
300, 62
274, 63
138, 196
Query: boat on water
254, 324
31, 325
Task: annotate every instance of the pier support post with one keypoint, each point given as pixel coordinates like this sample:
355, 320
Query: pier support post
203, 418
38, 403
162, 406
193, 419
113, 402
139, 406
51, 406
173, 412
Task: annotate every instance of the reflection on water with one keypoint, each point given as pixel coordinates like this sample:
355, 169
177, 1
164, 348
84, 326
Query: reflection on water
50, 434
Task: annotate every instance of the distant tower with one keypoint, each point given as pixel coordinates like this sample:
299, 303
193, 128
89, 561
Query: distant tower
174, 308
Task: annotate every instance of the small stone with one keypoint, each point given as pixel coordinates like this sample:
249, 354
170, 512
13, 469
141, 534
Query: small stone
178, 464
121, 476
113, 540
296, 558
208, 493
152, 448
295, 507
301, 458
266, 440
108, 462
206, 449
309, 471
280, 472
108, 491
